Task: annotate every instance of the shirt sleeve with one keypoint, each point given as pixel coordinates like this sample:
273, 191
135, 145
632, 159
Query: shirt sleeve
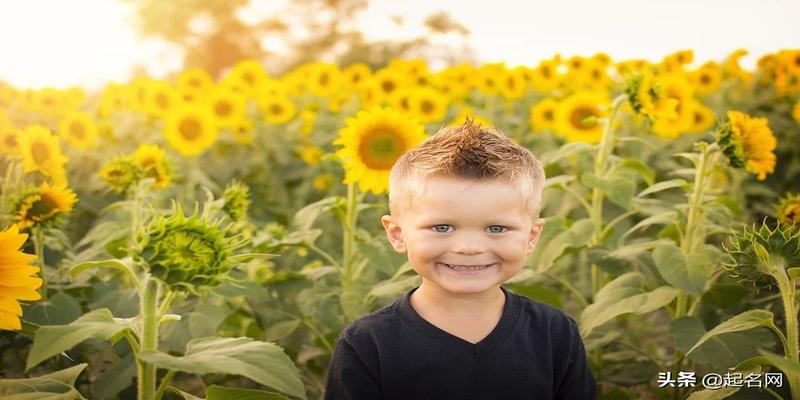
349, 378
578, 380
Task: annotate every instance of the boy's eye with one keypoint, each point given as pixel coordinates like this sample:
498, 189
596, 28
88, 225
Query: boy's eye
441, 228
497, 229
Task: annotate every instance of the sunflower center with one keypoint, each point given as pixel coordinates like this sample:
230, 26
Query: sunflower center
324, 79
223, 109
42, 208
40, 153
275, 109
190, 129
579, 117
162, 100
249, 78
705, 79
388, 86
546, 72
426, 107
380, 148
11, 141
548, 115
77, 129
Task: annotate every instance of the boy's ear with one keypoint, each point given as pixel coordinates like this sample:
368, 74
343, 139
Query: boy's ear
394, 233
535, 234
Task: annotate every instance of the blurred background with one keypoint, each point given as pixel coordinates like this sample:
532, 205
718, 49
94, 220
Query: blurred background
92, 42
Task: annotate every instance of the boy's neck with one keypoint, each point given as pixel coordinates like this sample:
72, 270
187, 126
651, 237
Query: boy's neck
430, 297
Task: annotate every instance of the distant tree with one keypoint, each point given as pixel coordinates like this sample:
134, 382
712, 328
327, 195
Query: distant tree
215, 36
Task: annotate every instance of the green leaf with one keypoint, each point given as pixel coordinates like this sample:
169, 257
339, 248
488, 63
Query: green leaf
619, 187
721, 351
53, 339
700, 264
539, 293
263, 362
184, 395
558, 180
725, 295
791, 369
224, 393
113, 263
794, 273
115, 379
59, 309
691, 273
564, 151
660, 186
576, 236
667, 217
305, 217
602, 258
723, 392
393, 287
640, 168
747, 320
280, 330
59, 385
623, 295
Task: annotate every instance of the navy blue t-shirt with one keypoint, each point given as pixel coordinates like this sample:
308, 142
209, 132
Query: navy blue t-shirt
534, 352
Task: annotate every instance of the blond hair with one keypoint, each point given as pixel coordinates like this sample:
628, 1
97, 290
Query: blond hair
468, 151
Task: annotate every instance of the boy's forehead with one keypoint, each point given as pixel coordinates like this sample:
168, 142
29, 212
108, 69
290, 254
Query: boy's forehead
445, 194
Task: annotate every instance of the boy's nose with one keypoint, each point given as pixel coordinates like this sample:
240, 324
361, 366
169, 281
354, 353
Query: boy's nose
467, 244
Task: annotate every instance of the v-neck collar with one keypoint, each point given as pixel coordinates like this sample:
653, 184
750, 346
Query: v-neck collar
497, 336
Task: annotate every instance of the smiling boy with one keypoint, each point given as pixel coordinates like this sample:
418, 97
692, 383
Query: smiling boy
464, 207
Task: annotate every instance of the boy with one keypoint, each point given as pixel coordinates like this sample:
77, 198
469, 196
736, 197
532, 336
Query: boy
464, 207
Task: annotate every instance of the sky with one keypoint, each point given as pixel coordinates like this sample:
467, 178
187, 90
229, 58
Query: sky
90, 42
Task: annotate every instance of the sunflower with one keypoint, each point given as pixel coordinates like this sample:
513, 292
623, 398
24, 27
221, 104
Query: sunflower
43, 205
48, 101
355, 75
9, 143
41, 152
79, 129
372, 142
400, 99
545, 77
190, 130
17, 277
153, 162
732, 68
789, 209
277, 110
577, 116
194, 79
487, 78
160, 99
114, 98
632, 67
227, 107
388, 81
702, 117
324, 79
748, 142
512, 84
309, 118
647, 97
310, 154
542, 114
469, 113
243, 131
250, 73
322, 182
706, 79
428, 105
676, 86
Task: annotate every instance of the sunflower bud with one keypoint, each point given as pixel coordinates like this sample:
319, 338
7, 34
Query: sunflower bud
756, 254
121, 174
187, 252
646, 97
236, 200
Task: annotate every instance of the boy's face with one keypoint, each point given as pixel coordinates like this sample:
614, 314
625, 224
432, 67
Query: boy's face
466, 237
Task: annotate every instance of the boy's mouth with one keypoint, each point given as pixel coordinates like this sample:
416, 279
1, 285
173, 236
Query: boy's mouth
467, 267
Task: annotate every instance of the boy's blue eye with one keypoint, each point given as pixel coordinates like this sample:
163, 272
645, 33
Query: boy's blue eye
441, 228
497, 229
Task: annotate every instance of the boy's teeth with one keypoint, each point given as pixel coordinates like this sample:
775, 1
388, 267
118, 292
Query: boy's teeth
463, 267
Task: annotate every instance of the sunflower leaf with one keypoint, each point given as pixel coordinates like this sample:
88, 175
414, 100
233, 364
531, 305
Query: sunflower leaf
747, 320
263, 362
59, 385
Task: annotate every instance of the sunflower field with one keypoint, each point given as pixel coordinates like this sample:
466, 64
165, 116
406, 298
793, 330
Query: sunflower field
208, 237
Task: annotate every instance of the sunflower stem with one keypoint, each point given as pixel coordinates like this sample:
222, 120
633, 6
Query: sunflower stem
149, 338
349, 232
600, 167
38, 246
788, 290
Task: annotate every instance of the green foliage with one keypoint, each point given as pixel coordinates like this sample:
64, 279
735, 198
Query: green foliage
59, 385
